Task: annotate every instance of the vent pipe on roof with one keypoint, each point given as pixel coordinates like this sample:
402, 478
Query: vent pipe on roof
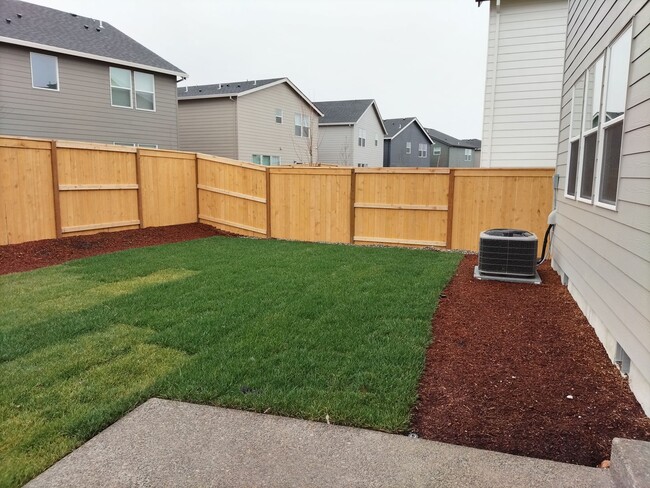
20, 16
101, 24
219, 86
186, 88
254, 82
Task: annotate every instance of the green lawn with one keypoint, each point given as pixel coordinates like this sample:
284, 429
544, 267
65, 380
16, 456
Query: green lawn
303, 330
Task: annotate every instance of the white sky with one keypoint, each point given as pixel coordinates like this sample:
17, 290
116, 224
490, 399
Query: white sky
423, 58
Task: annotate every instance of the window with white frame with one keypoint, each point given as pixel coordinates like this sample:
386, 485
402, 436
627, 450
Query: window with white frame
468, 155
437, 150
302, 125
596, 130
362, 138
123, 82
266, 160
408, 148
45, 71
423, 150
376, 140
278, 115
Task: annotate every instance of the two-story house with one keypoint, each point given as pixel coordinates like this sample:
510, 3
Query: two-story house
449, 152
268, 122
65, 76
407, 143
351, 133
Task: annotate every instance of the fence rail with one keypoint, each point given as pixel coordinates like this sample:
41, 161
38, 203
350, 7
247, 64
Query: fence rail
53, 188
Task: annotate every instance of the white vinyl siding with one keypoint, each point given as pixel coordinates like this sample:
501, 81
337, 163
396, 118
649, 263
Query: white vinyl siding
523, 83
605, 252
337, 144
81, 109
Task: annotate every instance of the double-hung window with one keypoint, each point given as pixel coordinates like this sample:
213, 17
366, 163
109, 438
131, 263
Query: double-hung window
362, 138
121, 88
123, 82
437, 150
596, 129
468, 155
302, 125
278, 115
45, 71
408, 147
376, 140
423, 150
145, 91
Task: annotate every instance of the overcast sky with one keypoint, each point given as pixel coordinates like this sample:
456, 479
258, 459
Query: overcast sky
423, 58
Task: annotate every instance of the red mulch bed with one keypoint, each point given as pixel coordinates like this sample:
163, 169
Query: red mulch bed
504, 361
38, 254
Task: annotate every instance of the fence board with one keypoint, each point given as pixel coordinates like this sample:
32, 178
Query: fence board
486, 199
26, 191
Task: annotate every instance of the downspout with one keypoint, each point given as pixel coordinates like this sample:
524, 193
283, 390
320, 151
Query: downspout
497, 29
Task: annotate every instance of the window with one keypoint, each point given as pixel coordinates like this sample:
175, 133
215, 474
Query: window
145, 92
133, 144
45, 71
301, 125
592, 94
266, 160
437, 150
278, 115
122, 83
362, 165
574, 137
612, 125
468, 155
362, 137
408, 148
423, 150
376, 140
120, 87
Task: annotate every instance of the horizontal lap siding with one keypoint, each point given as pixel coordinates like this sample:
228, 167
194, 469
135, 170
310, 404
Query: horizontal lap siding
605, 253
208, 126
371, 155
523, 83
82, 109
336, 144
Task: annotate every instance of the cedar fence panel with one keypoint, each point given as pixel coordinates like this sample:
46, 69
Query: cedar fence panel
232, 195
26, 191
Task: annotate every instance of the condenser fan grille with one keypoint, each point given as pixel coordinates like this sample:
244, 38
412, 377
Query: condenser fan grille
508, 252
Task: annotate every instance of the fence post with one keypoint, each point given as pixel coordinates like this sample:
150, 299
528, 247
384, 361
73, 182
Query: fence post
138, 180
450, 207
55, 189
267, 170
352, 201
196, 171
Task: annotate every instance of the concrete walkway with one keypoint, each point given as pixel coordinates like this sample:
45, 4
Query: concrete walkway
164, 443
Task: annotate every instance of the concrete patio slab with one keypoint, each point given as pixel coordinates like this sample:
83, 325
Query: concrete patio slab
165, 443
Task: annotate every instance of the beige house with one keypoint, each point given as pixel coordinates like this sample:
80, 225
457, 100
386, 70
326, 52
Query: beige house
523, 85
601, 246
268, 122
351, 133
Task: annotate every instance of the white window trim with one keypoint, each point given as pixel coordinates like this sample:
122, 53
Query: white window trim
110, 87
571, 141
422, 151
279, 113
468, 155
361, 139
408, 147
438, 152
31, 68
135, 92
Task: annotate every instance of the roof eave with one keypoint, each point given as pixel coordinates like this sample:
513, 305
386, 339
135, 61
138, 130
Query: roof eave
94, 57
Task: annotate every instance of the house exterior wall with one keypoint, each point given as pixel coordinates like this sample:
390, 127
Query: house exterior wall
370, 155
208, 125
336, 144
604, 254
397, 153
81, 110
258, 133
441, 160
523, 83
457, 158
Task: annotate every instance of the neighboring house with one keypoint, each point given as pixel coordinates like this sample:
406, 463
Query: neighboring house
268, 122
601, 246
406, 143
64, 76
449, 152
351, 133
524, 83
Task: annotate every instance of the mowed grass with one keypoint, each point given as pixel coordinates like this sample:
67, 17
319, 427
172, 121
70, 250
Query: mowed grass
295, 329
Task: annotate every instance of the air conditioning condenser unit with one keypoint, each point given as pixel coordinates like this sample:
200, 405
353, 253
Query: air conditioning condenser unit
507, 255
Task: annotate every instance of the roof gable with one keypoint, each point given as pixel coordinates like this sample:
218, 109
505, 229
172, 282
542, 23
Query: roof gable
238, 89
30, 25
347, 112
396, 126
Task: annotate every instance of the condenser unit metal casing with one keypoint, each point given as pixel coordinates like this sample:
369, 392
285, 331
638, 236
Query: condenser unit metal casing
507, 255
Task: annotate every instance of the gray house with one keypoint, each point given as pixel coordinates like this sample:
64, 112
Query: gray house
449, 152
65, 76
601, 246
351, 133
406, 144
268, 122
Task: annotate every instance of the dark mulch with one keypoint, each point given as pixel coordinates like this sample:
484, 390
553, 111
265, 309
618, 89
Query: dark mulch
505, 360
38, 254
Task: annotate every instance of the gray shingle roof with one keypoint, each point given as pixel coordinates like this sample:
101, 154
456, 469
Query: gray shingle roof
230, 88
342, 111
29, 23
393, 126
473, 143
452, 141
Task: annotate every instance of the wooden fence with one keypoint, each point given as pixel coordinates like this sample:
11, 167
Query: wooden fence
54, 188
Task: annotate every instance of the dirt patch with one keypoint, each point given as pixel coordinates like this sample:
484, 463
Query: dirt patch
518, 369
38, 254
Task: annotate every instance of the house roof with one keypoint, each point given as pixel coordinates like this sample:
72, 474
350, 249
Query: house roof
346, 112
45, 28
473, 143
237, 89
452, 141
395, 126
